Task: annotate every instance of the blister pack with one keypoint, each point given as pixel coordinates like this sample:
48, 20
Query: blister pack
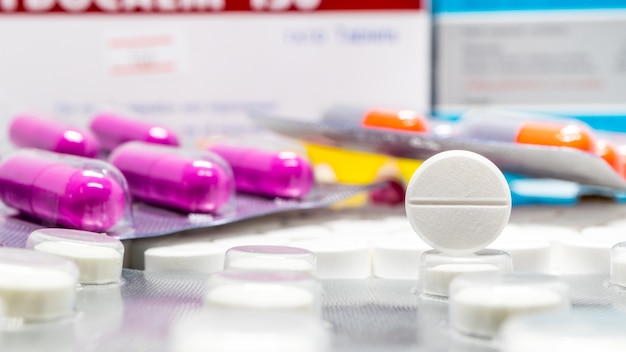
518, 143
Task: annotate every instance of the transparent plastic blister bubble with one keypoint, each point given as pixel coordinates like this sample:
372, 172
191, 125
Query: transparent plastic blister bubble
35, 286
269, 257
525, 128
277, 169
54, 189
270, 290
99, 257
114, 126
184, 180
438, 270
393, 119
480, 302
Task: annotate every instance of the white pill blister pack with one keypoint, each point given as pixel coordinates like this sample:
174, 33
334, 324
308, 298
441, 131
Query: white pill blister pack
376, 278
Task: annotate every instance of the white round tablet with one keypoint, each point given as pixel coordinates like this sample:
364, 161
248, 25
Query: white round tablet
480, 303
36, 285
260, 257
458, 202
340, 257
586, 255
264, 290
194, 256
99, 257
529, 255
437, 270
397, 256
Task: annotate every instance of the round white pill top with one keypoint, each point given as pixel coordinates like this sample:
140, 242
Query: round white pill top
36, 286
458, 202
98, 257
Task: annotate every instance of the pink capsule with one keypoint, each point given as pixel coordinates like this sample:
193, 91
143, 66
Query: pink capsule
65, 190
30, 131
113, 130
175, 178
276, 174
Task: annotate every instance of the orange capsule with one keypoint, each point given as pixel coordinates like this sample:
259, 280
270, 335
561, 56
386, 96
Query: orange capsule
404, 120
526, 128
607, 151
556, 134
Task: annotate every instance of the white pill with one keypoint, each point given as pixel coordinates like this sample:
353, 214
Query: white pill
586, 255
270, 258
266, 290
99, 257
200, 257
572, 331
339, 258
247, 331
526, 254
458, 202
397, 256
437, 270
480, 303
36, 285
551, 233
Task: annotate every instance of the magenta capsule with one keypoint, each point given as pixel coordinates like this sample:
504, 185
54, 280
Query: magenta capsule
64, 190
113, 130
269, 173
29, 131
175, 178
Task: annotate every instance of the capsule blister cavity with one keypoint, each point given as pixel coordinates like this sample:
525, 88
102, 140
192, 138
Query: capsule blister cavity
65, 190
98, 256
480, 303
33, 131
36, 286
283, 174
113, 129
172, 177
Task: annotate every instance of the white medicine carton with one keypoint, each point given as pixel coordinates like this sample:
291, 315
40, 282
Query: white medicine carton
199, 66
561, 57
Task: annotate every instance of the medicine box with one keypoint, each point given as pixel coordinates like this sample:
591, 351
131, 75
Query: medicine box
561, 57
199, 66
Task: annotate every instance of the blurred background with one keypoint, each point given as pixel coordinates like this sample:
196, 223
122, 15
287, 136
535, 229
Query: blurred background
201, 66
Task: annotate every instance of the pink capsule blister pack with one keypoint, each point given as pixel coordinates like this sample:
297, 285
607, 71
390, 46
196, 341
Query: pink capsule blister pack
144, 183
